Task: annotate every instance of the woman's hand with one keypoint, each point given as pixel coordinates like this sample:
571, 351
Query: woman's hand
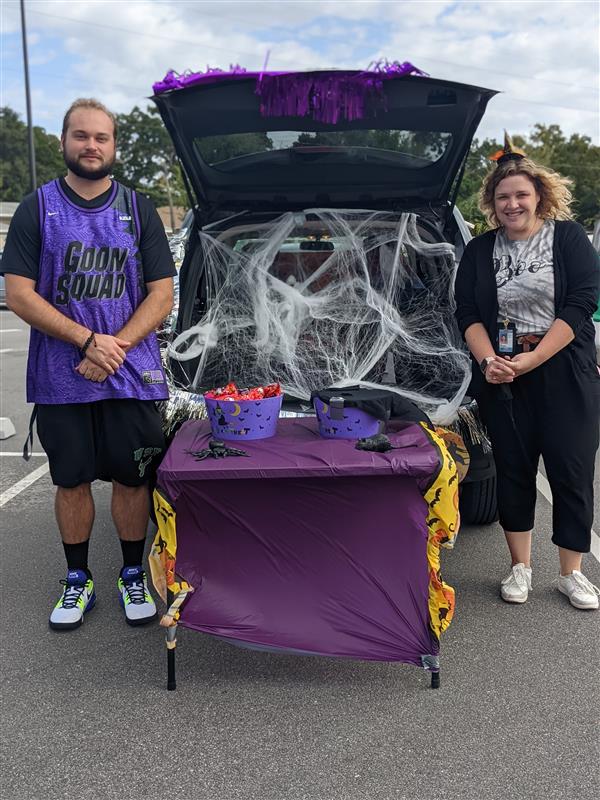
91, 371
500, 370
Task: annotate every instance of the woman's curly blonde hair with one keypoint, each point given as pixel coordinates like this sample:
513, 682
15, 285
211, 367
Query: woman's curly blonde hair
553, 189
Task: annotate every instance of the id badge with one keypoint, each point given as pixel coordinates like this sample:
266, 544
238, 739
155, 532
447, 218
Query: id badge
507, 338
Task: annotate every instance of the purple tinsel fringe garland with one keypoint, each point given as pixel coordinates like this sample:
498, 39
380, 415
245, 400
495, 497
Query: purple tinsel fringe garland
327, 96
173, 80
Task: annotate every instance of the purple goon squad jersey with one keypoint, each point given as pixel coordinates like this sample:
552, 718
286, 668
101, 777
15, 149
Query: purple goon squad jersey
91, 271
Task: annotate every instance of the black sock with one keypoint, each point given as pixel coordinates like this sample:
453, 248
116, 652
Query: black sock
77, 556
133, 552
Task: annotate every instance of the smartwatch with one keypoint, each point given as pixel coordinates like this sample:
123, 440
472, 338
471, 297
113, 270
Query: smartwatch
484, 363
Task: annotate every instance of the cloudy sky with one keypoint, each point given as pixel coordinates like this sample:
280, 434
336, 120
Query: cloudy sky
543, 56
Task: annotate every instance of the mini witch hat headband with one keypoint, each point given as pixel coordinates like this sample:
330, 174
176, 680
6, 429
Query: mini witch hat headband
508, 153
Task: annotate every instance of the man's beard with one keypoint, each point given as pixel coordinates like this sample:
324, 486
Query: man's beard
97, 174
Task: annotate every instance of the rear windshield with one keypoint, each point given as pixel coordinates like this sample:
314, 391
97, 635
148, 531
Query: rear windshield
411, 149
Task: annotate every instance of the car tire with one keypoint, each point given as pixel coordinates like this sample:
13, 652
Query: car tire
478, 503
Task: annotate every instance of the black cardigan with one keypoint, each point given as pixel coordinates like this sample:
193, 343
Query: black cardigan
576, 287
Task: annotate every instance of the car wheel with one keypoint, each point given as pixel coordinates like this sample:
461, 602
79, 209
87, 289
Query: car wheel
478, 504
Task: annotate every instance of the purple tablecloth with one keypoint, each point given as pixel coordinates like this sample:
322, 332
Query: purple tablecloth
308, 545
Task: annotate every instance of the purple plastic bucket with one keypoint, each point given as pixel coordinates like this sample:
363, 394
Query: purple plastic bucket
241, 420
345, 422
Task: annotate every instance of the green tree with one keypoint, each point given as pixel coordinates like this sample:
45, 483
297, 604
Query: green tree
14, 160
146, 158
214, 149
478, 165
427, 144
383, 139
576, 158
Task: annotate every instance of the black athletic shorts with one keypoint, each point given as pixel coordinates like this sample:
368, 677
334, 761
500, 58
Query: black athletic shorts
119, 440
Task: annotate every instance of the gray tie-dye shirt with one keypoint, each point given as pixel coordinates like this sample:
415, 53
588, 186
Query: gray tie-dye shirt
525, 280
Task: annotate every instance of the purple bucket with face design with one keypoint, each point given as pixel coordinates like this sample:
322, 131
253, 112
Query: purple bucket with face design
340, 421
241, 420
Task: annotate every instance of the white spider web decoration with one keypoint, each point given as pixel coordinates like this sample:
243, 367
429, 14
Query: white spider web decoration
328, 298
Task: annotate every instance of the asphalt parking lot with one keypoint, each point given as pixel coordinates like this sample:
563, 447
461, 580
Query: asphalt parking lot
87, 714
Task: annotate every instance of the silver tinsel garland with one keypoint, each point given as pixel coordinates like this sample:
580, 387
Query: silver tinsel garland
182, 404
469, 426
180, 407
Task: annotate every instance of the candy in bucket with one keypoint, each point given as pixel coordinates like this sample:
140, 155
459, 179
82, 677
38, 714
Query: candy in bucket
245, 414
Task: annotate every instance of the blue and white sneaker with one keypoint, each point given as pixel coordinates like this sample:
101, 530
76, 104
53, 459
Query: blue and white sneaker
77, 599
136, 600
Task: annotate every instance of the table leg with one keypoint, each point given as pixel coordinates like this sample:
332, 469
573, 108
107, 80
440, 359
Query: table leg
435, 680
171, 640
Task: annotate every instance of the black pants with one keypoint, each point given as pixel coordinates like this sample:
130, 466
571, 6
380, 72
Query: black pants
556, 411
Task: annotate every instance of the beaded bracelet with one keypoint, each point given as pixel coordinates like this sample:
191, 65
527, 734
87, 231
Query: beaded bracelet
90, 340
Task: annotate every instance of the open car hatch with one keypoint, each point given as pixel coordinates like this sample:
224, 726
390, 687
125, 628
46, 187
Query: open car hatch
405, 149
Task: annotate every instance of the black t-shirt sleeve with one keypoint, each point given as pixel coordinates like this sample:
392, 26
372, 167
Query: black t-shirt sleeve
157, 261
21, 253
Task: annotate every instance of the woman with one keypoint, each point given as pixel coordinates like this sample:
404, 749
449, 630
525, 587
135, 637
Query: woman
525, 294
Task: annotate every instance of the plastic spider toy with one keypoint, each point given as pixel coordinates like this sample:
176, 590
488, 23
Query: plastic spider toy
216, 449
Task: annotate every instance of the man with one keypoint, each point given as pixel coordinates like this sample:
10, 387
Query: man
88, 267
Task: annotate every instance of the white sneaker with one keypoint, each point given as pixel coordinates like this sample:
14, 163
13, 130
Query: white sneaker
581, 592
77, 599
136, 600
516, 586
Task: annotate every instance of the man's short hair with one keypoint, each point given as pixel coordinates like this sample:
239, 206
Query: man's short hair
88, 102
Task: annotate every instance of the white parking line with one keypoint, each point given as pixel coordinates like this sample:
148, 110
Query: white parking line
21, 485
544, 488
19, 455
